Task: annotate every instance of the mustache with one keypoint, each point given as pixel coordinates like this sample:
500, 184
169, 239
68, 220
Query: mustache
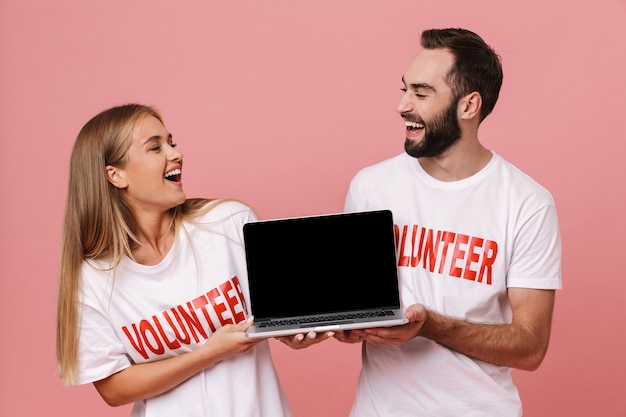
412, 118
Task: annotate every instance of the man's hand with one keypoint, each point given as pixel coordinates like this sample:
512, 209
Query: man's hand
395, 335
350, 336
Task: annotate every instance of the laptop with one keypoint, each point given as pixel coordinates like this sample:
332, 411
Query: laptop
322, 273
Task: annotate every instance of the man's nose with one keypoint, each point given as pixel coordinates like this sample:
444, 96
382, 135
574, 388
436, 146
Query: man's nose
405, 105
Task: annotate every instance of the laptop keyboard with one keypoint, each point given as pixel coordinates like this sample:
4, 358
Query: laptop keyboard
326, 319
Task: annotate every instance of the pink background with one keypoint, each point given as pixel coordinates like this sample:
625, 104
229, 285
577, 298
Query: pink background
279, 103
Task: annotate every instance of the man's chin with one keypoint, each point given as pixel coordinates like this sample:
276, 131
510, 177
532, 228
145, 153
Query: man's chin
413, 149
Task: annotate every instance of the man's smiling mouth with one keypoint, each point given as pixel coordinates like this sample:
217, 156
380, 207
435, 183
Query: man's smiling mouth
413, 126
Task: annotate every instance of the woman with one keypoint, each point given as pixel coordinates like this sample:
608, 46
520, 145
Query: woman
152, 304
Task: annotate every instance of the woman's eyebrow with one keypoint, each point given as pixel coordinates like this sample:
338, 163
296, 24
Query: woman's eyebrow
157, 138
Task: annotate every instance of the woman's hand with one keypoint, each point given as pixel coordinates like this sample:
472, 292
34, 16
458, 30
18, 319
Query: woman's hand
229, 340
301, 341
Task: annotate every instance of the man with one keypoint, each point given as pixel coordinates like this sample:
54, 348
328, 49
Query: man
478, 243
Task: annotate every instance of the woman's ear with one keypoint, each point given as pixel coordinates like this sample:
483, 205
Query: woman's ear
115, 176
469, 106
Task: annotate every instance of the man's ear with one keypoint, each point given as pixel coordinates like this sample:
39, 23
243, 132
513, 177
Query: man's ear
115, 177
470, 105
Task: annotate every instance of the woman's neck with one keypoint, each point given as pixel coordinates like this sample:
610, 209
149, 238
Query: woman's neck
155, 236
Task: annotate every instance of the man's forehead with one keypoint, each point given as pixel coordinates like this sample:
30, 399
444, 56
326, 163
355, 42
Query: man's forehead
430, 66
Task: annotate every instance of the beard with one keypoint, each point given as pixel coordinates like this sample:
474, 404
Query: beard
440, 133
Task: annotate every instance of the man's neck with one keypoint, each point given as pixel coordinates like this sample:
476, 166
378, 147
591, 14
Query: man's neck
457, 163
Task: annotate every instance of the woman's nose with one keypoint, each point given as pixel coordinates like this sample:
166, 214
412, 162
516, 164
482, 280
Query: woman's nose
174, 154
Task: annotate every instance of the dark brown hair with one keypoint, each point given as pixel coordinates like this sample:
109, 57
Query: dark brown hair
476, 67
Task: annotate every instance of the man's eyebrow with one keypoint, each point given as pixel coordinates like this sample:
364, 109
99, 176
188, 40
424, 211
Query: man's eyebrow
415, 86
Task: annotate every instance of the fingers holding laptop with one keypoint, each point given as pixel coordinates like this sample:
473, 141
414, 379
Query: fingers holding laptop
229, 340
301, 340
394, 335
397, 335
350, 336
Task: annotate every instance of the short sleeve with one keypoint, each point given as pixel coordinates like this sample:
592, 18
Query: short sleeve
536, 260
100, 351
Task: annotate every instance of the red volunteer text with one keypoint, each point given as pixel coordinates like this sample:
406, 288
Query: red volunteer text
454, 254
189, 322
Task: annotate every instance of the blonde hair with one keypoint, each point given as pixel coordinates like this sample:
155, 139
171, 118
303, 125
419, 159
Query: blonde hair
98, 225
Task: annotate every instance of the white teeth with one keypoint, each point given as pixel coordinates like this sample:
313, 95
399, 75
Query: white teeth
172, 173
414, 125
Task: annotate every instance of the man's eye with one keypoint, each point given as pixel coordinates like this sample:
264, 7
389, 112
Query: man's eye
403, 90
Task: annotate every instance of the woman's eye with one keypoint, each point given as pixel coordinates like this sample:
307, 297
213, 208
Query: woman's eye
173, 145
156, 148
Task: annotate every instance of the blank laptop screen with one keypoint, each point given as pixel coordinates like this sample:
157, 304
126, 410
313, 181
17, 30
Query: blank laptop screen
321, 264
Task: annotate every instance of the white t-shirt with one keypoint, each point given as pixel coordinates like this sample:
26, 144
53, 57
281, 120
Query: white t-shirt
149, 313
460, 245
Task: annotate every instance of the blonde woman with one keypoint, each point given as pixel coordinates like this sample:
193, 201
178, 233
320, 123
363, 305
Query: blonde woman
152, 304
